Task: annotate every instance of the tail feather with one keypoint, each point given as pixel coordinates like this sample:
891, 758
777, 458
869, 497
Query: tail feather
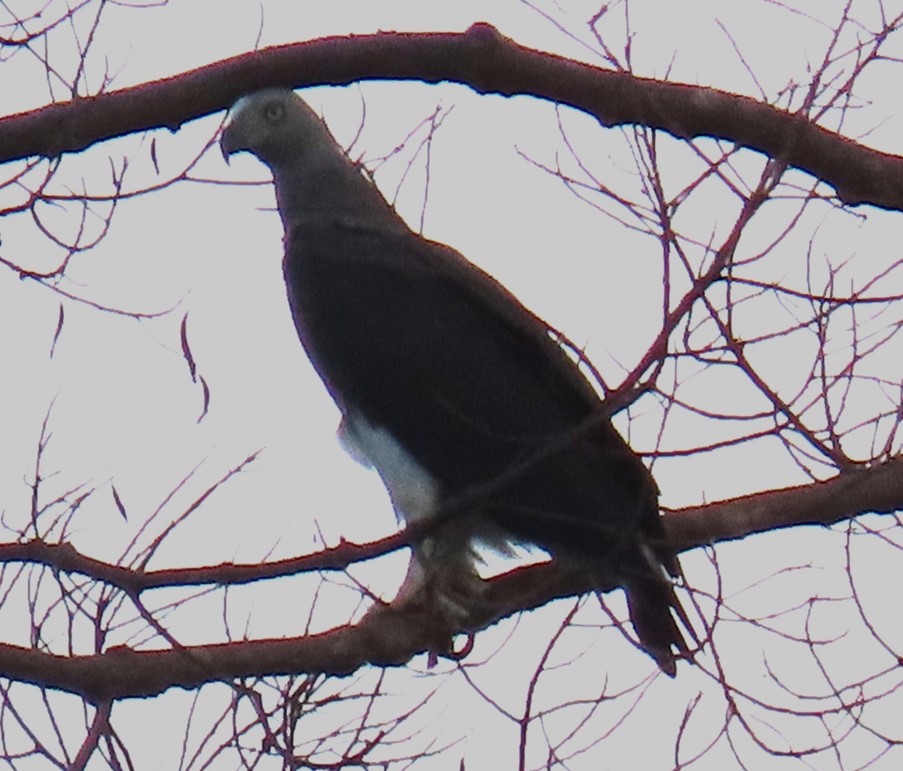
654, 612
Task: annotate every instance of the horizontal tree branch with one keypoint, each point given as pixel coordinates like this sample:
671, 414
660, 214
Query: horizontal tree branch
392, 636
486, 61
877, 489
65, 557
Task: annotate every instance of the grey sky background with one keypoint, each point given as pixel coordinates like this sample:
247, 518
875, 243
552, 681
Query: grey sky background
125, 411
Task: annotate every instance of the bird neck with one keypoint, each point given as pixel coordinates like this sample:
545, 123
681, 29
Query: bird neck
328, 185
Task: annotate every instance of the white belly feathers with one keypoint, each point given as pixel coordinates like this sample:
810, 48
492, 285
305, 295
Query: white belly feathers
413, 491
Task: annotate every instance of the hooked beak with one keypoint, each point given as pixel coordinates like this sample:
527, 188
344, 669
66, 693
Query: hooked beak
229, 142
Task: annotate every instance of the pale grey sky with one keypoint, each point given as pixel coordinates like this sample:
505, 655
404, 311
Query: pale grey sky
125, 408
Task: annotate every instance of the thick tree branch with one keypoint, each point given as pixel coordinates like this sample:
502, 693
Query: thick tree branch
392, 636
487, 62
874, 489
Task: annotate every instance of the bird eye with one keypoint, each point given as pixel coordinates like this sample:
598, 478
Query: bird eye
274, 111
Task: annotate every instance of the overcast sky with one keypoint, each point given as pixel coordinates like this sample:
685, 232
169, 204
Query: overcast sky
125, 411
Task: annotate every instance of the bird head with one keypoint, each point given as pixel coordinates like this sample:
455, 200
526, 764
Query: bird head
311, 171
270, 124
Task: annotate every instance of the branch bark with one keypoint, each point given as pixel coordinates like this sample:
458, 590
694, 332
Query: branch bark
874, 489
486, 61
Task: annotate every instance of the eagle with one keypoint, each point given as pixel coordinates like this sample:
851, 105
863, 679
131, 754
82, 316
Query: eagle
481, 424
